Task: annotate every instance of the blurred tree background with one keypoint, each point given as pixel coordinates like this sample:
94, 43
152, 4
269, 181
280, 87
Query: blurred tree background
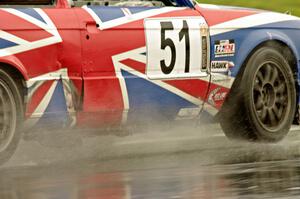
276, 5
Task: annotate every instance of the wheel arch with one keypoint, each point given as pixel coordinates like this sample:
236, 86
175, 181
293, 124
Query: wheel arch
18, 72
259, 38
285, 49
14, 63
283, 44
234, 106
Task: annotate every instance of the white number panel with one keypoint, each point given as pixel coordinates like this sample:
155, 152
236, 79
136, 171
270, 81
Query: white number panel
174, 47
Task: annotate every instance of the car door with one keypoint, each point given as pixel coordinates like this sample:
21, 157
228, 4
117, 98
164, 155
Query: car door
144, 63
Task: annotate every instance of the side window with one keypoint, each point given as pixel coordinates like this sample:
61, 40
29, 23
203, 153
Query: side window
26, 2
124, 3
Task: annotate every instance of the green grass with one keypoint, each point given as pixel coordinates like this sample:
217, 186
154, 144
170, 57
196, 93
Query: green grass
275, 5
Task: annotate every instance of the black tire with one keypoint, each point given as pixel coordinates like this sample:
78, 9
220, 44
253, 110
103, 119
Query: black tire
263, 105
11, 116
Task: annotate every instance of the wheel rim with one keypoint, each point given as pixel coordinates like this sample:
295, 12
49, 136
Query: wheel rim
8, 116
271, 96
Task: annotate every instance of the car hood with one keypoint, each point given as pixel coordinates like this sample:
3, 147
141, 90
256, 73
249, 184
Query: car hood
224, 7
229, 17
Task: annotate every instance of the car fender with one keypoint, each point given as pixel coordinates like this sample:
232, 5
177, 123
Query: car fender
246, 43
257, 38
14, 62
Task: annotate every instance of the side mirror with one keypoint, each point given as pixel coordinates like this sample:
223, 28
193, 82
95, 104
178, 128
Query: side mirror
63, 4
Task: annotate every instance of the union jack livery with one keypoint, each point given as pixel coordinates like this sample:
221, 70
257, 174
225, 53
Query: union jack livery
82, 64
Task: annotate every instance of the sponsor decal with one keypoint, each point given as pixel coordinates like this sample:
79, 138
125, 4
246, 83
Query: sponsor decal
221, 66
224, 48
216, 95
188, 113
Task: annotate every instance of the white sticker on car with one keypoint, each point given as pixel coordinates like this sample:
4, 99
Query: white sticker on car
174, 47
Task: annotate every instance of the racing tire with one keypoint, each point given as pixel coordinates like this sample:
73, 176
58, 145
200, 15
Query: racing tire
11, 116
263, 105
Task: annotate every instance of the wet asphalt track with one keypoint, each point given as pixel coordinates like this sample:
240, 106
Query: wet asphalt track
175, 163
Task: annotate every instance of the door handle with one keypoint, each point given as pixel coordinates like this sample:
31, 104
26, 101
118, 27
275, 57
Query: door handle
92, 26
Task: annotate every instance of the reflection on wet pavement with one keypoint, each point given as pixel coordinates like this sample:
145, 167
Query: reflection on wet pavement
218, 168
237, 181
91, 181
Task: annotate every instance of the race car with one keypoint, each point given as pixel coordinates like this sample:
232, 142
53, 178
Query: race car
111, 64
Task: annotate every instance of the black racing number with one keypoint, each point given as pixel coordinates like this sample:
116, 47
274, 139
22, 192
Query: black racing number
167, 42
185, 33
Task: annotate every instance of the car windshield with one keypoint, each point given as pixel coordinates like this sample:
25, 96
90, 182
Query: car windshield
147, 3
27, 3
23, 2
80, 3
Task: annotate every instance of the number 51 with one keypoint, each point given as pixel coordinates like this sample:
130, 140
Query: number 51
167, 42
